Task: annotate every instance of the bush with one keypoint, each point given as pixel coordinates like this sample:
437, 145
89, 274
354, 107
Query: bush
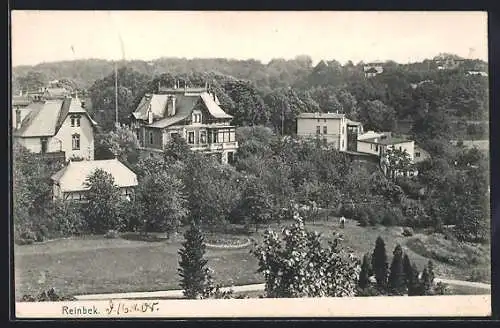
47, 296
26, 237
348, 210
407, 232
112, 234
296, 264
480, 275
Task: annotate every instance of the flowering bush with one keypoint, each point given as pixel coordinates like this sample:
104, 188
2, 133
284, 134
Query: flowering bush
295, 264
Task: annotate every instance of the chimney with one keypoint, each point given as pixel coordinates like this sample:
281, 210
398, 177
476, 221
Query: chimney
18, 118
171, 105
150, 115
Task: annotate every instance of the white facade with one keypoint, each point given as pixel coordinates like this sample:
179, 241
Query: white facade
330, 127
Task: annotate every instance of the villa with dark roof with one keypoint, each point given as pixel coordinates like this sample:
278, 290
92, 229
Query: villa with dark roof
191, 113
373, 69
58, 126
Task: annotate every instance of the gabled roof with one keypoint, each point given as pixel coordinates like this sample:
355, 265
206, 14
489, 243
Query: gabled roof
184, 104
212, 106
74, 175
46, 118
321, 115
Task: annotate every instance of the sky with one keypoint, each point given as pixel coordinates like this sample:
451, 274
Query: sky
48, 36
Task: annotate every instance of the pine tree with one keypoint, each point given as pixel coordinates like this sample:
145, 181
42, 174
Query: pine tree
192, 265
414, 284
426, 284
408, 271
364, 274
396, 277
379, 263
428, 279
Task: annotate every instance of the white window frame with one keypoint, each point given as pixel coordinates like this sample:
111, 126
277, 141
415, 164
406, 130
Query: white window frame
75, 141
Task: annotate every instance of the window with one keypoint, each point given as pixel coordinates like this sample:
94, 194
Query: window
44, 145
151, 140
376, 147
75, 120
342, 144
196, 118
417, 154
191, 137
324, 120
230, 157
174, 135
318, 130
400, 148
203, 137
76, 142
215, 137
342, 130
325, 130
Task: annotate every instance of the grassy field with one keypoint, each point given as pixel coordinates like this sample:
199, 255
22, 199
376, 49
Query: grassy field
96, 265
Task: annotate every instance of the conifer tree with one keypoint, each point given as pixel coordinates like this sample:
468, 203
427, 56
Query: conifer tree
425, 282
428, 279
396, 276
408, 271
379, 263
364, 274
414, 284
193, 271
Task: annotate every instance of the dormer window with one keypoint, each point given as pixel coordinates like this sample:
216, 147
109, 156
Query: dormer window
196, 118
75, 120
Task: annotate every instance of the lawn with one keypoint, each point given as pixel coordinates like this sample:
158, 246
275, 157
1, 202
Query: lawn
96, 265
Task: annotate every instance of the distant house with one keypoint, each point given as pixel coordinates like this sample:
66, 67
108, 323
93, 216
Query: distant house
55, 126
56, 93
480, 73
191, 113
447, 62
69, 183
378, 143
373, 69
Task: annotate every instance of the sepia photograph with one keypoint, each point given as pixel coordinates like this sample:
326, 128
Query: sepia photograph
177, 164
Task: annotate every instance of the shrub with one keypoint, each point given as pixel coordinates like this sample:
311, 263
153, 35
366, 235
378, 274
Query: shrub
26, 237
112, 234
49, 295
480, 275
296, 264
407, 232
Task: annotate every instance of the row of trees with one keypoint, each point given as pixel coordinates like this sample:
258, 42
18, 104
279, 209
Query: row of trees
401, 278
295, 263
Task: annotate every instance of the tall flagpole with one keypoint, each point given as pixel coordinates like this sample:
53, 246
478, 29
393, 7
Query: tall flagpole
116, 95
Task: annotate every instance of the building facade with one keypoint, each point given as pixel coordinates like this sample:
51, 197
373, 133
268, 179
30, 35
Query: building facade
191, 113
332, 128
59, 126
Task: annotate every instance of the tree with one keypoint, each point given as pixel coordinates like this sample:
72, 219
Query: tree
32, 81
102, 202
161, 201
193, 269
177, 149
377, 116
414, 283
122, 143
295, 264
379, 263
212, 189
397, 161
256, 203
364, 275
249, 108
396, 276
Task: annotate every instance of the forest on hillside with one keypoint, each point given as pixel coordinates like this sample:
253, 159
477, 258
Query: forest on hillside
429, 102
